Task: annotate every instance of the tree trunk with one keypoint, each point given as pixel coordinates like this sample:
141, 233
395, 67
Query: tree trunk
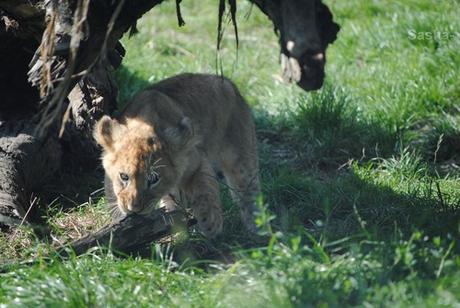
24, 159
25, 162
94, 96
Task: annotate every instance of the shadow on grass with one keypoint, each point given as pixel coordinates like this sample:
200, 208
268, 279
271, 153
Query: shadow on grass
347, 208
327, 130
347, 204
328, 180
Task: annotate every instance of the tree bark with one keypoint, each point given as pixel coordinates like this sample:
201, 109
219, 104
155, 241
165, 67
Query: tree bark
94, 96
25, 160
25, 163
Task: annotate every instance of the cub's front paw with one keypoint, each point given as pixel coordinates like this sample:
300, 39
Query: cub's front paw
210, 221
248, 215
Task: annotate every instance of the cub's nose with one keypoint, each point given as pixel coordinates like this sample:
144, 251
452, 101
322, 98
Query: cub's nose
134, 208
127, 208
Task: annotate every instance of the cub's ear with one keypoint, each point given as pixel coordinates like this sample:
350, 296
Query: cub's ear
178, 136
104, 130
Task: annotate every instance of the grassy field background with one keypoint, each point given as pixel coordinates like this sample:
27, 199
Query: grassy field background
360, 180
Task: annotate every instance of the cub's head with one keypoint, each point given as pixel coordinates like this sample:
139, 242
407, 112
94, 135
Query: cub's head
139, 159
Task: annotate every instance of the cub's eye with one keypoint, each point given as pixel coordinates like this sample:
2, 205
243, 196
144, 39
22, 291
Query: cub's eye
153, 180
124, 177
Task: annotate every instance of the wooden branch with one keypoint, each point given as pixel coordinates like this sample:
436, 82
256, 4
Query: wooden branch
133, 233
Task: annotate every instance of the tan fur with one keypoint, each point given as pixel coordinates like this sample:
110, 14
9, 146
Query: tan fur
184, 129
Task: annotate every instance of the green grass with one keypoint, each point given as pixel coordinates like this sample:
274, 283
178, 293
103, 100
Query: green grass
360, 180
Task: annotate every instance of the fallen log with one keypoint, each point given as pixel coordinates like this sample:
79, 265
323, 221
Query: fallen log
133, 234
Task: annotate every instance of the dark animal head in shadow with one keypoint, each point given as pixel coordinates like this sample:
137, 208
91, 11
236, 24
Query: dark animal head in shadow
305, 29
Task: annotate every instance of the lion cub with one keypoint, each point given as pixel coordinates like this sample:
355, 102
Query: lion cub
172, 140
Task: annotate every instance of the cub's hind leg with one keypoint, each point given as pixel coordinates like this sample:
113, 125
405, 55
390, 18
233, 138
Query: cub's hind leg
240, 163
242, 177
202, 194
